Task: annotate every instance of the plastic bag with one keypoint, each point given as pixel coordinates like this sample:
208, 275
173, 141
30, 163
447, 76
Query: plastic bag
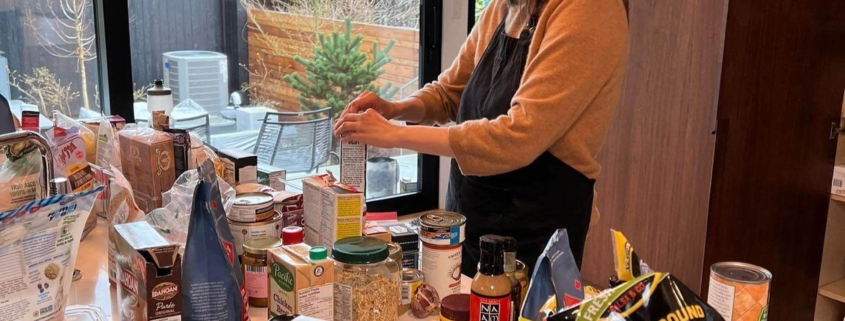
87, 135
121, 209
39, 242
69, 150
211, 271
20, 177
108, 146
555, 278
147, 161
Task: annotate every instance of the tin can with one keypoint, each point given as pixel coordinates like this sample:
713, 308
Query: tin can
245, 231
739, 291
411, 280
442, 236
252, 207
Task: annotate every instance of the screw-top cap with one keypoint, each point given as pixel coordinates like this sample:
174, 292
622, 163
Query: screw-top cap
261, 244
509, 244
292, 235
492, 255
359, 250
318, 253
158, 89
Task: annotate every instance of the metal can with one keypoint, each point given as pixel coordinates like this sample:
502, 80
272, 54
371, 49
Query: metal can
245, 231
411, 280
739, 291
442, 236
252, 207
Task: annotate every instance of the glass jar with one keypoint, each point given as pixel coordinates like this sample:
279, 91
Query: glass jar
255, 268
394, 264
365, 288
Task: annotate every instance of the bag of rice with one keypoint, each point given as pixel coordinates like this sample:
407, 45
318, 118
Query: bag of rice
38, 245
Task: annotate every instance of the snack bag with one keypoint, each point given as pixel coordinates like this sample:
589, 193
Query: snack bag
121, 209
20, 176
211, 271
625, 261
108, 146
652, 296
38, 246
69, 160
555, 278
86, 134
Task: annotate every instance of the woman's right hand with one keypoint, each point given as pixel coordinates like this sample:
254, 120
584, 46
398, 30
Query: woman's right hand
370, 100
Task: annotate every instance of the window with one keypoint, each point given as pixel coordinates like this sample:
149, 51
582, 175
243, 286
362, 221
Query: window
248, 69
48, 57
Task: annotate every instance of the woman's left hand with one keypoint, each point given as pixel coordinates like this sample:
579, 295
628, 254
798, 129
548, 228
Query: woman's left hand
369, 127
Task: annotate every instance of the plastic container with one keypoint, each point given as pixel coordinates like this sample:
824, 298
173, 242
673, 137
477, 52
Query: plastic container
365, 288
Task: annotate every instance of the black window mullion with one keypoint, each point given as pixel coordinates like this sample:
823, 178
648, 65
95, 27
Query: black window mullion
115, 59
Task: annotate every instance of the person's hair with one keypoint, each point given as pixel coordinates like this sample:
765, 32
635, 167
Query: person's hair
528, 8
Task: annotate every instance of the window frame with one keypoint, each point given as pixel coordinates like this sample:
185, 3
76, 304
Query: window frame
114, 50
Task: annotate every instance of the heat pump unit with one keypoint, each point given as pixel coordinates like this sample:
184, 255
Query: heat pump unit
5, 90
202, 76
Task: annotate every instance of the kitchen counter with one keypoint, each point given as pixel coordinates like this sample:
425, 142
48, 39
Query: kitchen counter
94, 289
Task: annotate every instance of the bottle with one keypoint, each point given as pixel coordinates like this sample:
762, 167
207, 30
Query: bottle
490, 298
160, 98
510, 271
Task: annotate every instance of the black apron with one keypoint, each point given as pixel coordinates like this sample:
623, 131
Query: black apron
529, 203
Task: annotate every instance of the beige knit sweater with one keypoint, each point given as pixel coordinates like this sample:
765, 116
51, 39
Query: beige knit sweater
566, 100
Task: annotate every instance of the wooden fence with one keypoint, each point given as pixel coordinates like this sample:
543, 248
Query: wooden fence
275, 38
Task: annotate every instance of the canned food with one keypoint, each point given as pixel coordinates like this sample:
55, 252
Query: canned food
442, 228
252, 207
411, 280
253, 187
739, 291
442, 236
245, 231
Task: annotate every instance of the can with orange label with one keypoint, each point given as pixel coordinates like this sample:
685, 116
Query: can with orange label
739, 291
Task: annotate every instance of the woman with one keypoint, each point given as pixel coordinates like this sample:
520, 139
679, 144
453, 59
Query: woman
533, 92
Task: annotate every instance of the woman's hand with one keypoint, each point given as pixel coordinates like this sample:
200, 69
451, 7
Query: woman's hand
371, 101
369, 127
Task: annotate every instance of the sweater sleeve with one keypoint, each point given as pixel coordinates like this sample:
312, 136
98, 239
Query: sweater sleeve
442, 97
584, 41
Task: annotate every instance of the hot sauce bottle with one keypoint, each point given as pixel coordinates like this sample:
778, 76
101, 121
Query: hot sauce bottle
490, 299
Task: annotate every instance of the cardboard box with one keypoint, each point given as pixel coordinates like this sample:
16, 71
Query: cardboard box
353, 164
147, 161
240, 167
408, 238
272, 176
836, 187
149, 273
333, 211
312, 201
375, 230
298, 285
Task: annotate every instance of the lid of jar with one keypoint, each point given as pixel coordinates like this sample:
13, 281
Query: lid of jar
455, 307
261, 244
394, 248
318, 253
292, 235
360, 250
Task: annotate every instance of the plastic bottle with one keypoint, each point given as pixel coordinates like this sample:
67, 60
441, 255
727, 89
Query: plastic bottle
160, 98
510, 269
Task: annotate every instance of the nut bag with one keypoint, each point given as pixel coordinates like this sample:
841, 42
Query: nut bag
212, 283
649, 297
555, 278
38, 247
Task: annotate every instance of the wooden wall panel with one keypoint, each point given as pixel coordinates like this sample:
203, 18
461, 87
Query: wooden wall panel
658, 158
782, 83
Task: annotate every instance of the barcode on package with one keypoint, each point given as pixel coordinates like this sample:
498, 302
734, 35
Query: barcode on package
837, 182
256, 269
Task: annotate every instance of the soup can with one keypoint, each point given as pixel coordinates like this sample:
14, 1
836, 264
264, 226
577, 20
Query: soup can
252, 207
411, 280
442, 236
739, 291
245, 231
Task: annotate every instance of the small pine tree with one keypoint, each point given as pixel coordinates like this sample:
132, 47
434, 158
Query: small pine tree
340, 72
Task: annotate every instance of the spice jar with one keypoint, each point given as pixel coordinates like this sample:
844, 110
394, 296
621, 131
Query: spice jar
255, 268
394, 264
292, 235
365, 289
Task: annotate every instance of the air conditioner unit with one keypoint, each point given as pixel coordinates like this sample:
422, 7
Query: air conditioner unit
202, 76
5, 89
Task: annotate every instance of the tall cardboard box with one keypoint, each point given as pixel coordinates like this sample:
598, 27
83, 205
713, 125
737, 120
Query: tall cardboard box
299, 285
147, 160
333, 211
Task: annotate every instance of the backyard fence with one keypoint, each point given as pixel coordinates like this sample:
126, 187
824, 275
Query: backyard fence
275, 38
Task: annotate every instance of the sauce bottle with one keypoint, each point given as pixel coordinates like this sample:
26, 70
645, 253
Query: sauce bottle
490, 298
510, 269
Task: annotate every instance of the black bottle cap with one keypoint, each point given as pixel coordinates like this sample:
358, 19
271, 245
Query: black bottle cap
509, 244
492, 255
159, 83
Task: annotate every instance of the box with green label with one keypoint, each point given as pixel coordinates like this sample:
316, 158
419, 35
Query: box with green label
301, 281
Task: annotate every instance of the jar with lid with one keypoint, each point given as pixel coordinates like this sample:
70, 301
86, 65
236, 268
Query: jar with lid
365, 288
394, 264
255, 268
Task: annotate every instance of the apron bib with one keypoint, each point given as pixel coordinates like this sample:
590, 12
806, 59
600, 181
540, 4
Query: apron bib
529, 203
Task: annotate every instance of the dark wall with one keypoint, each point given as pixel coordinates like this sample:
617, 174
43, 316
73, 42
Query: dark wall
782, 81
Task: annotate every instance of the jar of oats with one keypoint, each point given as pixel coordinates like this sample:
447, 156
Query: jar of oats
364, 288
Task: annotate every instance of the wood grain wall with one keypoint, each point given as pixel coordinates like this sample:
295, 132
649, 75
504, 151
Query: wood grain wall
657, 161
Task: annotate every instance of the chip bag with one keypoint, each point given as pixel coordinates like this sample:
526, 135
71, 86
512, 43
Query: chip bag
38, 246
626, 263
555, 282
649, 297
211, 271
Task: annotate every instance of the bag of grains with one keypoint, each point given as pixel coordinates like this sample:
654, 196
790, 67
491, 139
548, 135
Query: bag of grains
38, 247
211, 271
